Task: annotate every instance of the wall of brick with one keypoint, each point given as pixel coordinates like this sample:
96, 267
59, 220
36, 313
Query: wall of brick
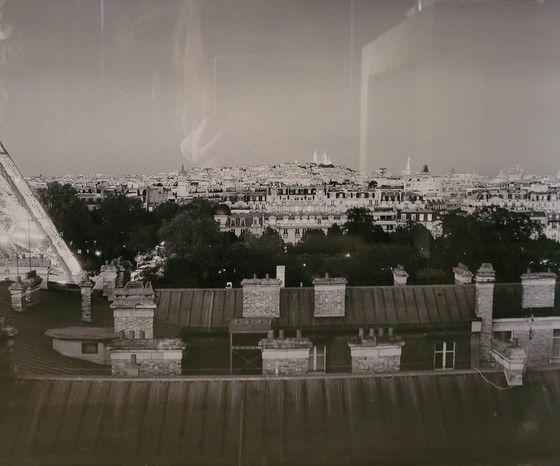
330, 297
378, 365
148, 368
379, 358
285, 366
538, 290
149, 362
261, 297
135, 320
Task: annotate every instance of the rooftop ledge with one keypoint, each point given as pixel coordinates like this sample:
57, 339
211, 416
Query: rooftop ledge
81, 333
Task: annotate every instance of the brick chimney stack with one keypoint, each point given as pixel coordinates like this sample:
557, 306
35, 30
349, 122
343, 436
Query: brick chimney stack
484, 302
330, 296
261, 297
538, 290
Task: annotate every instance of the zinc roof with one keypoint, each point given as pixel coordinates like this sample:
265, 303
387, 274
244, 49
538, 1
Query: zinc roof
444, 418
207, 310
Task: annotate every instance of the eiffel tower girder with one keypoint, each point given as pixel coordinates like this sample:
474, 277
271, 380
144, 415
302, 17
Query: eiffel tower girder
26, 229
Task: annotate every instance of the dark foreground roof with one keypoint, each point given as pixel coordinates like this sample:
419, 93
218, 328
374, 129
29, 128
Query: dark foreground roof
447, 418
208, 310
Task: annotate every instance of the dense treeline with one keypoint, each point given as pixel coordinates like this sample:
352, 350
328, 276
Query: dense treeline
197, 254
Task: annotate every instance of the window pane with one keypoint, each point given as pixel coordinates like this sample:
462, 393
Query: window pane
438, 346
449, 359
438, 361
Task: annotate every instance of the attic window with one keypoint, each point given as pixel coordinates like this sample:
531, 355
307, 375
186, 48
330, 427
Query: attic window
89, 348
444, 355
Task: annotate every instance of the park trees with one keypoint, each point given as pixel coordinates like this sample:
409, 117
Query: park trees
509, 240
69, 214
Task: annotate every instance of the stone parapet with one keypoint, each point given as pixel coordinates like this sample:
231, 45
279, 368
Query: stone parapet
261, 297
538, 290
330, 297
370, 354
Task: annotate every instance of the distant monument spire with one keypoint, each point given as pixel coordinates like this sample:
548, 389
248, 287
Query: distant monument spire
315, 157
407, 171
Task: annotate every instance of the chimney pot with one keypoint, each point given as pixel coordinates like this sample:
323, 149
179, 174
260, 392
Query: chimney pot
390, 331
381, 331
267, 276
281, 334
298, 333
371, 332
271, 334
361, 333
327, 275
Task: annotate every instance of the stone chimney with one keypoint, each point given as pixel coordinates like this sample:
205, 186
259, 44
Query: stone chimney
377, 354
538, 290
17, 294
285, 356
330, 296
137, 352
86, 286
281, 274
484, 303
109, 274
133, 311
463, 275
399, 276
261, 297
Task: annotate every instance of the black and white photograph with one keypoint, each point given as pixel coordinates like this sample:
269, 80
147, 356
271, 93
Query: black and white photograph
279, 232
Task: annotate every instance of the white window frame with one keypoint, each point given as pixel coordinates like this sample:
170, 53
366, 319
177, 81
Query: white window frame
314, 354
448, 349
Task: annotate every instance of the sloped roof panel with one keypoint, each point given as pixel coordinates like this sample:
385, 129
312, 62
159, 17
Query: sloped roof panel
459, 417
212, 309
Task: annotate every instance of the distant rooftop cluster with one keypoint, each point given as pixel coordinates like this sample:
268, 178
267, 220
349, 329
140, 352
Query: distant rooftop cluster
292, 198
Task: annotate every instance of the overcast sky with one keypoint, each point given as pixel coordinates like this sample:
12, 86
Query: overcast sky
141, 86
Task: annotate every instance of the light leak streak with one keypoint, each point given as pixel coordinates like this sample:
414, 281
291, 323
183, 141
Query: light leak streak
102, 40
